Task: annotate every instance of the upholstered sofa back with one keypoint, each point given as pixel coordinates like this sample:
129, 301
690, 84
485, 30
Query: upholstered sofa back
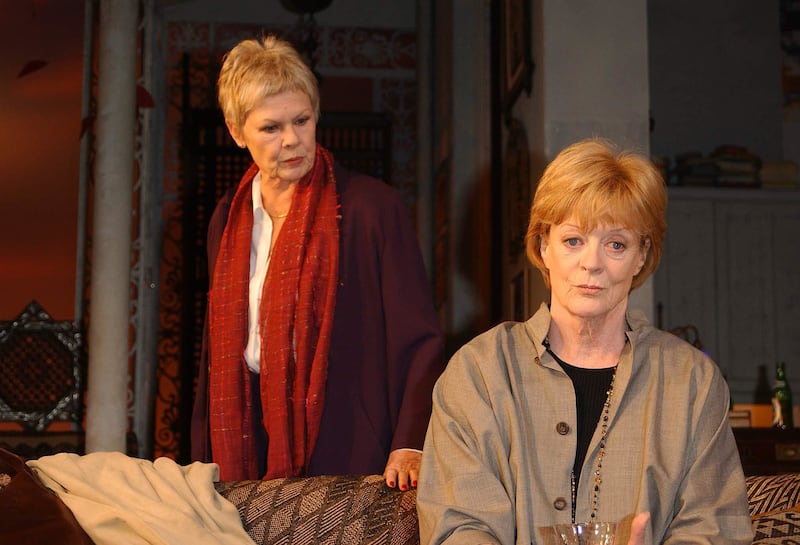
354, 510
330, 510
362, 510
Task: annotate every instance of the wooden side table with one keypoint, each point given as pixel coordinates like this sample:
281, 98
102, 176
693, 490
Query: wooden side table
768, 451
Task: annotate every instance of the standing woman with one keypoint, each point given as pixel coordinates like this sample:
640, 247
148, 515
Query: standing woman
585, 412
322, 343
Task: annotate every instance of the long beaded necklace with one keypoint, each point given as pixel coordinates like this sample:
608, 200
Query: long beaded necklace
598, 480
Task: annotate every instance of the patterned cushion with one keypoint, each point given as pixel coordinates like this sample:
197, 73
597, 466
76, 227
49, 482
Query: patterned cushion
778, 528
325, 510
772, 493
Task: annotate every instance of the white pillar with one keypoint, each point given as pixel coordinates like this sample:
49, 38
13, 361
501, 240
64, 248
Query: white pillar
107, 404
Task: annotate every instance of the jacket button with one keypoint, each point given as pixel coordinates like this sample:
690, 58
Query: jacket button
562, 428
560, 504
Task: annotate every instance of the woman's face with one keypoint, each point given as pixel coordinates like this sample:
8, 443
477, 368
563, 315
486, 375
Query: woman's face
280, 134
591, 272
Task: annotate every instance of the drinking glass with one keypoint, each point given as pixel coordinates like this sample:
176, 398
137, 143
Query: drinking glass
587, 533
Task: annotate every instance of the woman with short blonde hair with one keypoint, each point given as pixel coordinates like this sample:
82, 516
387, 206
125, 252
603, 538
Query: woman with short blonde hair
256, 69
321, 342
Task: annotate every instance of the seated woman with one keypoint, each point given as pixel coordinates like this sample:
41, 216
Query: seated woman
585, 412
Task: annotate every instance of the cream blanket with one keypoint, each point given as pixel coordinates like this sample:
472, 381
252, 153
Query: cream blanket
120, 500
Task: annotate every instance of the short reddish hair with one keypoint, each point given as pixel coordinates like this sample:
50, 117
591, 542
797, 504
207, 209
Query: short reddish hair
598, 184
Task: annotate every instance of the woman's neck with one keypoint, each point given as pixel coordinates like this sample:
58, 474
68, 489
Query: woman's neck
276, 195
587, 342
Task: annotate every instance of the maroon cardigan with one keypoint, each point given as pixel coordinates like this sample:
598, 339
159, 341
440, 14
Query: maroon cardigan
387, 347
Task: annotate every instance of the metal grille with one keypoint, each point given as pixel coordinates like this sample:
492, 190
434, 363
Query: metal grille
41, 362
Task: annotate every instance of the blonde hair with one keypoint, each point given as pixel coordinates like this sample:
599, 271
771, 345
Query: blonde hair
598, 184
256, 69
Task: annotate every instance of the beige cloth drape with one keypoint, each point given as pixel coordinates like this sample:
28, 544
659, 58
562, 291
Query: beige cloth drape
120, 500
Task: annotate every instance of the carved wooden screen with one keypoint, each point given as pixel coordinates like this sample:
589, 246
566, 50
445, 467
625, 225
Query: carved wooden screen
360, 141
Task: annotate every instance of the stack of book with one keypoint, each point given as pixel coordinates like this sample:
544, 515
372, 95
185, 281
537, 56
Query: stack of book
692, 169
728, 166
737, 166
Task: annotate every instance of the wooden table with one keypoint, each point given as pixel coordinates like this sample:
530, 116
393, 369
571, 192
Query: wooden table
768, 451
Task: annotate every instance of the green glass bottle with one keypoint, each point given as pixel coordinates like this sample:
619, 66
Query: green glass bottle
782, 406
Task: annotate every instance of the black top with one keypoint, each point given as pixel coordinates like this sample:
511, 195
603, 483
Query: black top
591, 389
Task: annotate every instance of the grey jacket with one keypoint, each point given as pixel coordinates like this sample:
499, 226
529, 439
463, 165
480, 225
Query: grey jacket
501, 442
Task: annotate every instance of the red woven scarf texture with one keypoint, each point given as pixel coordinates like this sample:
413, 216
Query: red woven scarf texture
295, 323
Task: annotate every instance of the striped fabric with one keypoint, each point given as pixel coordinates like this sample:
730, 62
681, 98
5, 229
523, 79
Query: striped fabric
336, 510
771, 493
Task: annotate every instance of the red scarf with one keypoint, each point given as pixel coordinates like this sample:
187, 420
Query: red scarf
295, 322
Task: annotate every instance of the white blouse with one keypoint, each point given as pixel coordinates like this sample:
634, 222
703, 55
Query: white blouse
259, 263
